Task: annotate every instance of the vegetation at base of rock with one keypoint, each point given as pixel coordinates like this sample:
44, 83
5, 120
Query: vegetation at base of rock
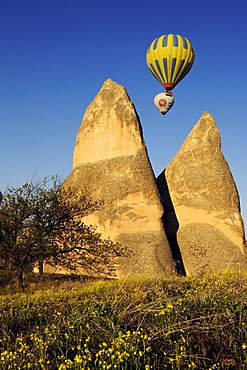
41, 222
143, 323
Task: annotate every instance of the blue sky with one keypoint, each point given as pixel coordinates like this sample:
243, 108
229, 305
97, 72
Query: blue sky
56, 54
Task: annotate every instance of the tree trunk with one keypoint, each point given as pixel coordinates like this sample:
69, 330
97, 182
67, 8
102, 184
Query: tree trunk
41, 266
19, 282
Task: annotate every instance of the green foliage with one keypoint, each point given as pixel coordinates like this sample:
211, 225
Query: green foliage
145, 323
42, 222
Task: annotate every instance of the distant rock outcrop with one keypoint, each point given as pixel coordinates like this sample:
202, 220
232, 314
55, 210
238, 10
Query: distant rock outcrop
111, 164
206, 203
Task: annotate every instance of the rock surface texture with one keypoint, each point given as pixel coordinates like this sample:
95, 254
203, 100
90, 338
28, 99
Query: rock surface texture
111, 164
206, 202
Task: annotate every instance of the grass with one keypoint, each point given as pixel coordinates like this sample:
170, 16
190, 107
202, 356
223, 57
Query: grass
139, 323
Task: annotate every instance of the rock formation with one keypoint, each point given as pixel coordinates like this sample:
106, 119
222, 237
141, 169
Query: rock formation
187, 220
206, 203
111, 164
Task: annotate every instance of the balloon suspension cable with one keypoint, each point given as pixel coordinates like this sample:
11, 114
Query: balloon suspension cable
169, 93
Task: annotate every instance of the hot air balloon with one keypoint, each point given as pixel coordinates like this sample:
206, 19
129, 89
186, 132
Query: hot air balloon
170, 58
164, 101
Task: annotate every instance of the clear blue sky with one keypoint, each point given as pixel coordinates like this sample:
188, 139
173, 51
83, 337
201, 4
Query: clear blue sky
56, 54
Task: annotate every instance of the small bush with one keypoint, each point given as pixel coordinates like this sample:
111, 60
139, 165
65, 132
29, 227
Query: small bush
7, 278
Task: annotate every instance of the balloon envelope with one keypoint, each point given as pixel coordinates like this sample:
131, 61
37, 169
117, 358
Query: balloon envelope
164, 102
170, 58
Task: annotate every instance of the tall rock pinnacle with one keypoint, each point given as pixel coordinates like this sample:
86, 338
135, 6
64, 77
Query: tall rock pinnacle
110, 127
111, 164
206, 203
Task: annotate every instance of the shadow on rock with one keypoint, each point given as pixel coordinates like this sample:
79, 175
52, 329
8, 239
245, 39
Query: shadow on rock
170, 222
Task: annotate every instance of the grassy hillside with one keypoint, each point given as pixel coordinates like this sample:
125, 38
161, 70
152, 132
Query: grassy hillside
145, 323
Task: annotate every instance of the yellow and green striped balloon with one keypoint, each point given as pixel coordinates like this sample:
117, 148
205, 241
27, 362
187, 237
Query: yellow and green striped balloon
170, 58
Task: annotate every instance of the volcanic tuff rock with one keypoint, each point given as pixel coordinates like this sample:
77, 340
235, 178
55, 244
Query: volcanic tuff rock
111, 164
206, 202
